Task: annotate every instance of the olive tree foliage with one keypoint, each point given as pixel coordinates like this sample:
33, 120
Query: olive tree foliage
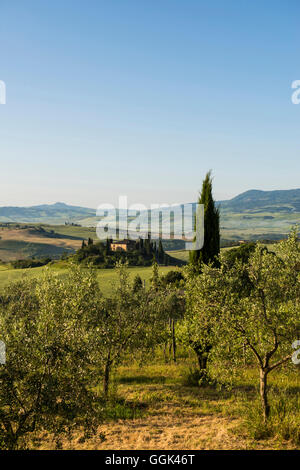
196, 329
126, 323
169, 293
254, 306
155, 279
173, 308
267, 318
45, 382
137, 283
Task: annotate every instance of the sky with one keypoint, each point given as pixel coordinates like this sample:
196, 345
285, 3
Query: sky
142, 98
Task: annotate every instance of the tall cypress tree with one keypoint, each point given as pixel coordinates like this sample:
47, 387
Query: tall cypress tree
161, 252
147, 246
107, 247
211, 247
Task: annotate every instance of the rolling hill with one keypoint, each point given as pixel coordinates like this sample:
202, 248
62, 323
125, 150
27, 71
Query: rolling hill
47, 213
264, 201
252, 201
252, 215
257, 215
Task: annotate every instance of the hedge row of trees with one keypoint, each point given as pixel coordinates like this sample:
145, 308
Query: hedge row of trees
30, 263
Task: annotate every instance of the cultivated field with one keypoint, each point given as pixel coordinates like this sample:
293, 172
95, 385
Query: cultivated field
37, 241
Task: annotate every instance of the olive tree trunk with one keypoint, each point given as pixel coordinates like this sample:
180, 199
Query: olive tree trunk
263, 390
174, 346
107, 370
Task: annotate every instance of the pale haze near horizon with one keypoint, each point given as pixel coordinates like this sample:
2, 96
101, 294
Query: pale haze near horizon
125, 97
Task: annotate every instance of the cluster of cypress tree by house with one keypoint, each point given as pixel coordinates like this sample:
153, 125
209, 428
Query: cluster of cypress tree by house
143, 252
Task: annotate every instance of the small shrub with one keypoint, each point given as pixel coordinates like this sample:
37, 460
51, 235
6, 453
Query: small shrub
194, 377
118, 408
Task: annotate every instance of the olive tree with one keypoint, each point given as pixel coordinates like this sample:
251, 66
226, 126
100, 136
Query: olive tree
125, 323
196, 329
268, 319
45, 382
172, 307
262, 316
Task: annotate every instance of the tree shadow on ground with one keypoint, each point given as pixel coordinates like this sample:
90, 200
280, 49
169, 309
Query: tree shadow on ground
142, 379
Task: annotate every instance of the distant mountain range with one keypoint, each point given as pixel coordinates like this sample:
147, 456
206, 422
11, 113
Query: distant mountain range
253, 201
250, 215
264, 201
257, 215
57, 213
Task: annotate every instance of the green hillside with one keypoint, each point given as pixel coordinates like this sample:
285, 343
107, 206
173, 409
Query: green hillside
256, 201
106, 277
48, 213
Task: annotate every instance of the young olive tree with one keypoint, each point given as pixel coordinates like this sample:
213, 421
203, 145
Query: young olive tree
174, 306
45, 382
170, 306
126, 322
254, 305
196, 329
267, 318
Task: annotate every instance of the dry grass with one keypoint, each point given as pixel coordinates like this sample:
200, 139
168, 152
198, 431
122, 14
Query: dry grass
176, 417
168, 431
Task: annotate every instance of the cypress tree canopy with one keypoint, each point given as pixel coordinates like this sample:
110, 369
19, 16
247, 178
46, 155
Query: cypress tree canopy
211, 247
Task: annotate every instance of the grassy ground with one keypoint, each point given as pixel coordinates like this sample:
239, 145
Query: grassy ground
73, 231
172, 415
182, 255
106, 277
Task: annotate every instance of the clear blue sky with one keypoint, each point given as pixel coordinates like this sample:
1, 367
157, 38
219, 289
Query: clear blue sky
142, 97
